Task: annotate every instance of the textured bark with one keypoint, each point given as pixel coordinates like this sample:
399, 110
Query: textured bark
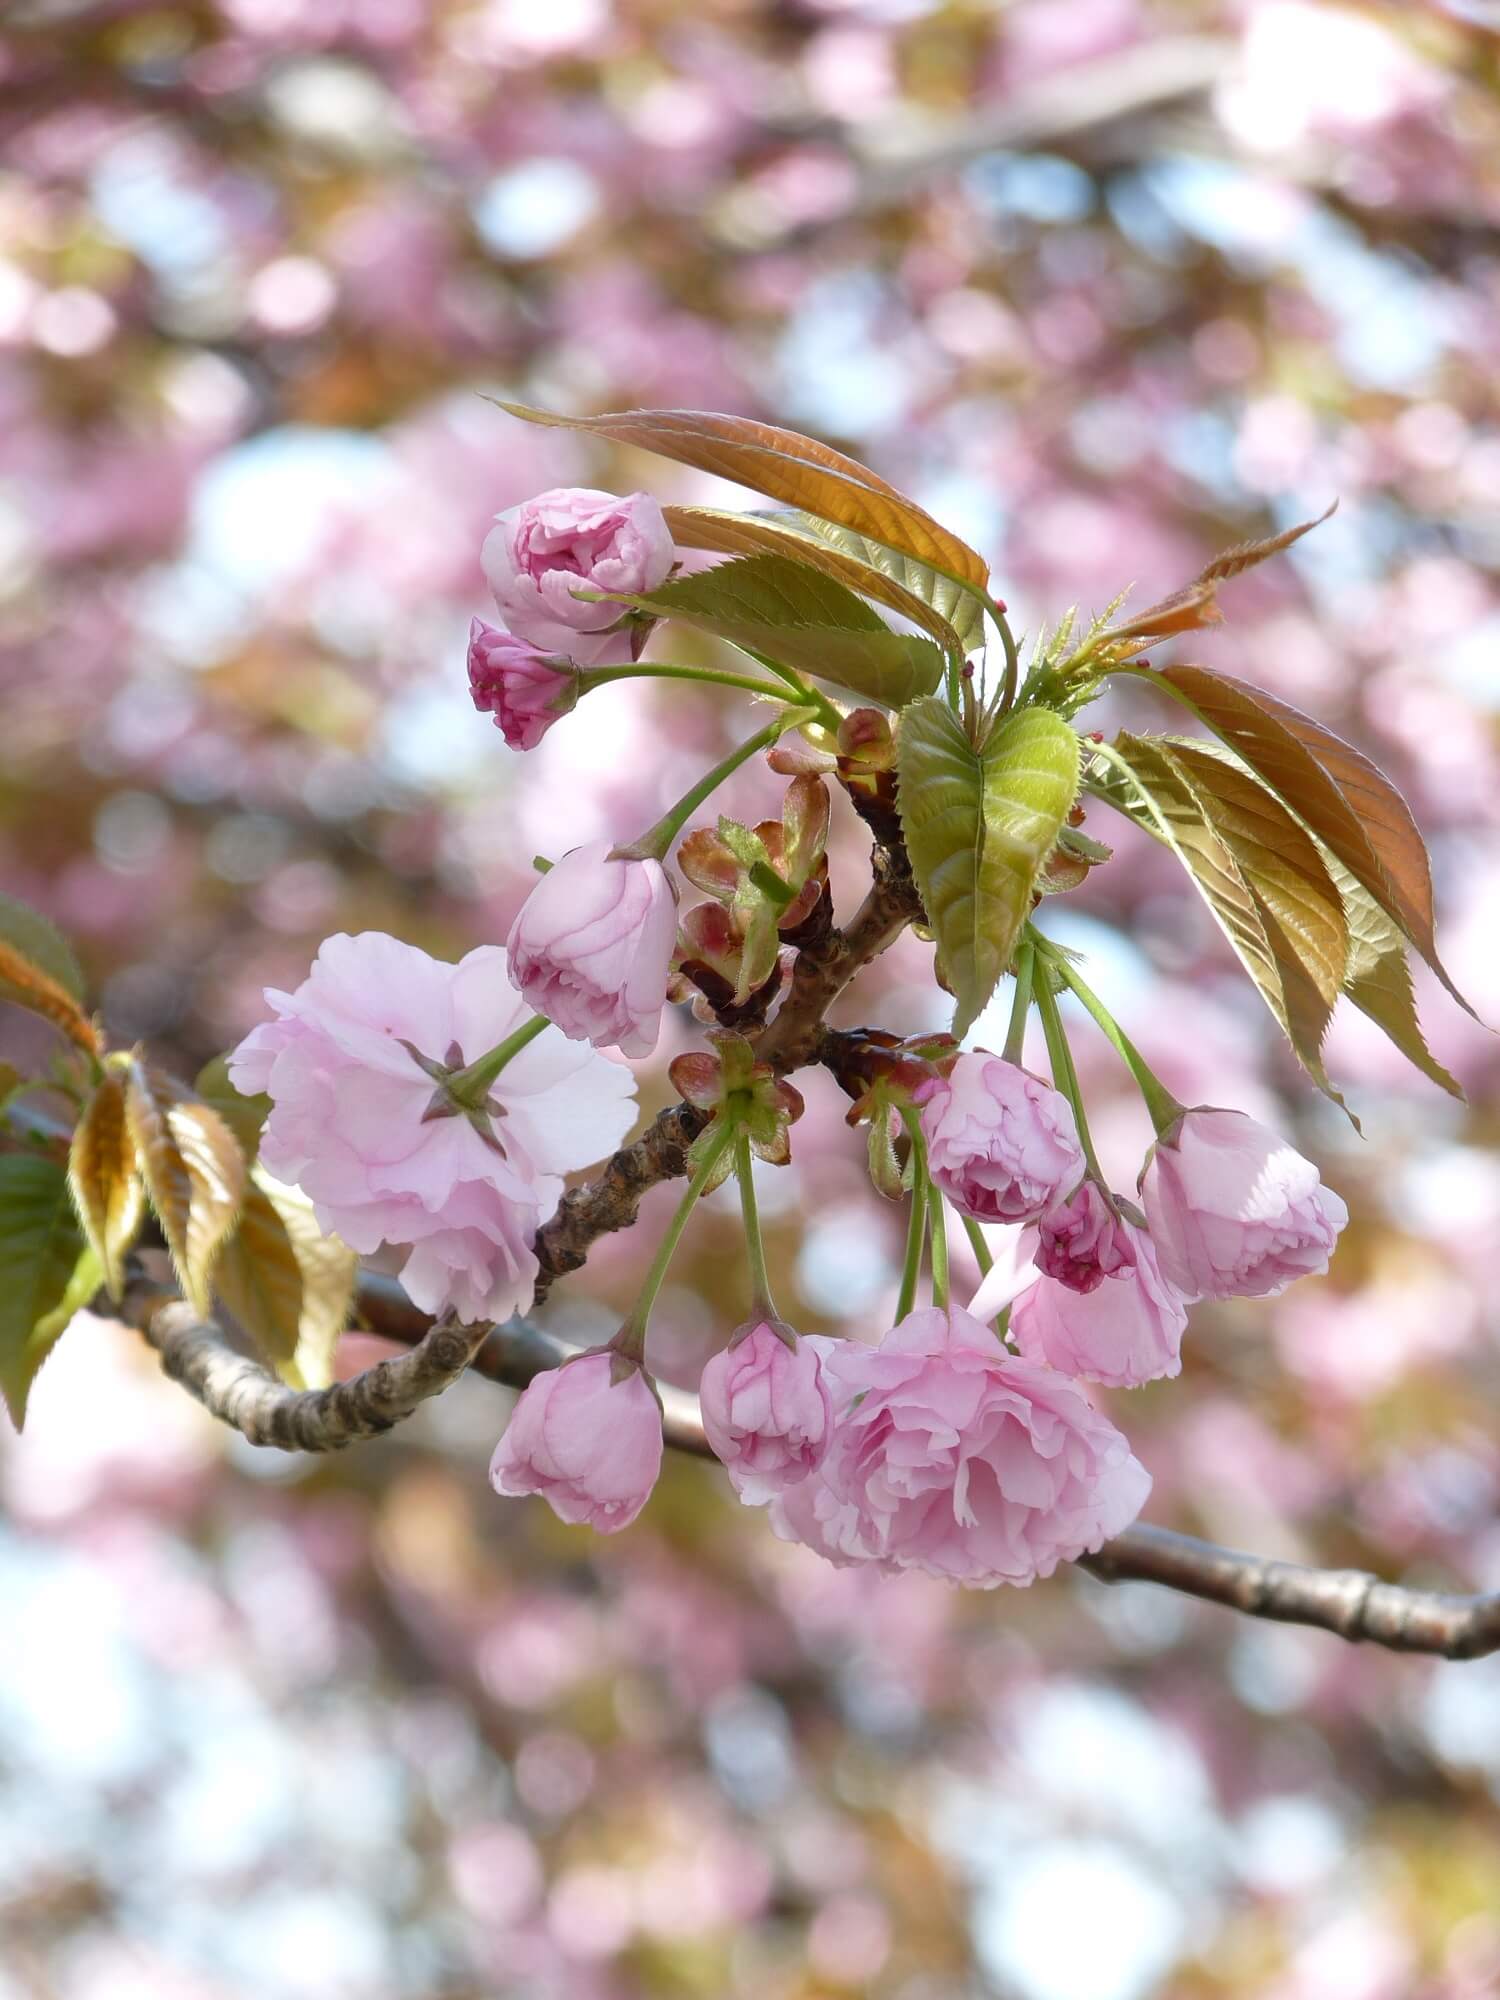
240, 1393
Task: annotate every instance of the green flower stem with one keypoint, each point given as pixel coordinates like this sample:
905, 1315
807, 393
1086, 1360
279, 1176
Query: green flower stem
631, 1339
916, 1231
828, 715
471, 1085
1015, 1038
762, 1305
937, 1231
593, 677
1064, 1075
978, 1245
1162, 1105
1012, 657
656, 840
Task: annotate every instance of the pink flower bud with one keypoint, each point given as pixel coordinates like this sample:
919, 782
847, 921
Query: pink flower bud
1125, 1329
951, 1456
575, 538
526, 691
591, 948
587, 1438
766, 1410
1001, 1144
1234, 1211
1081, 1241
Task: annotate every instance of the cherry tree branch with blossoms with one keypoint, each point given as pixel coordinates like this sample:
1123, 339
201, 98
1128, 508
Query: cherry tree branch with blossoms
394, 1101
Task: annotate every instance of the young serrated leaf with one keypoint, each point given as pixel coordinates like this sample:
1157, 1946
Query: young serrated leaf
194, 1173
106, 1187
948, 613
1279, 859
1377, 973
257, 1276
776, 606
978, 827
26, 984
329, 1269
1334, 789
38, 939
1260, 877
1378, 978
44, 1276
784, 466
245, 1116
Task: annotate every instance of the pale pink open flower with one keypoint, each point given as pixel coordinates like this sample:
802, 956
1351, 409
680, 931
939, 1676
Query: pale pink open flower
1123, 1330
766, 1410
591, 948
951, 1456
352, 1119
575, 538
523, 689
1234, 1211
587, 1438
1002, 1145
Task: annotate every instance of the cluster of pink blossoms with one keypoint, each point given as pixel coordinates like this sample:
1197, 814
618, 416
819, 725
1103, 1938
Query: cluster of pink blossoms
420, 1105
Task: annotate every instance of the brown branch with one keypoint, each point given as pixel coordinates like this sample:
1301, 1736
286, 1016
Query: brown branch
240, 1393
1349, 1602
823, 968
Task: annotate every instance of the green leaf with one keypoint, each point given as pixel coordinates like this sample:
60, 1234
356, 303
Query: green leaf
37, 938
785, 466
102, 1174
245, 1116
948, 613
778, 606
194, 1173
978, 826
1261, 877
44, 1272
1334, 789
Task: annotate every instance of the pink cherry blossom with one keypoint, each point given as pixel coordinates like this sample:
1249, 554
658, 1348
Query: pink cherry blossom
591, 948
1002, 1145
575, 538
587, 1438
1125, 1329
766, 1410
1234, 1211
951, 1456
350, 1119
524, 689
1081, 1241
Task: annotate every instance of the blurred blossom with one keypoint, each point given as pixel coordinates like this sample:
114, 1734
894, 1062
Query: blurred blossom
273, 1729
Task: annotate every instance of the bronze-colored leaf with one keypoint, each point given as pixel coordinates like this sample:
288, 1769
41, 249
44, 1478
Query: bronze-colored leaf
784, 466
29, 986
1261, 878
1246, 555
1197, 603
102, 1174
258, 1277
1378, 979
329, 1268
194, 1173
1332, 787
